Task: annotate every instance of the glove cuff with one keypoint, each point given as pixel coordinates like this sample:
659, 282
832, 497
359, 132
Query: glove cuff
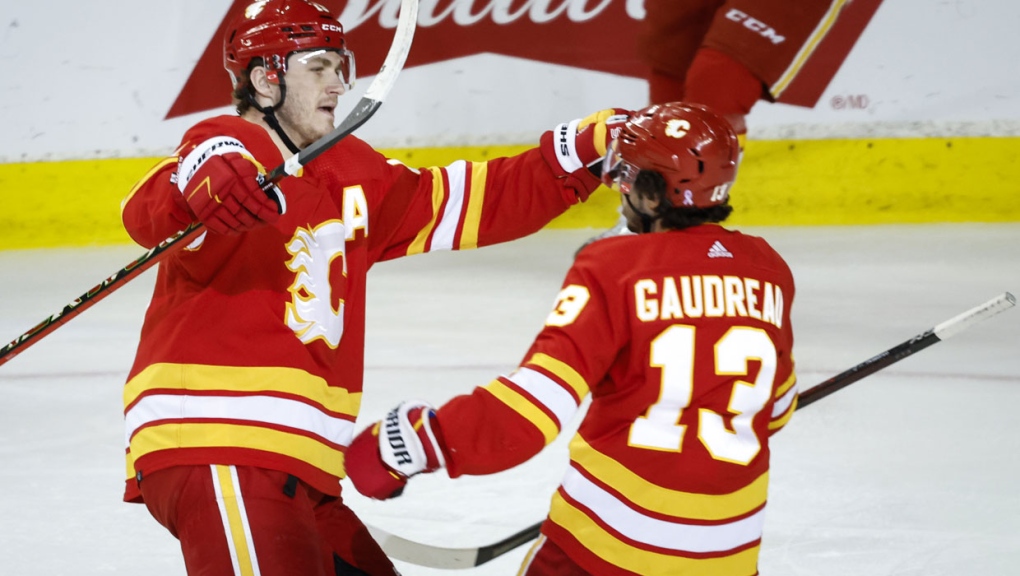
199, 155
576, 185
565, 147
407, 442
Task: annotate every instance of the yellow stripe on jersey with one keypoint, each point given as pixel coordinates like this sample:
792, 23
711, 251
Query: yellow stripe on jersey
655, 498
782, 420
159, 166
207, 435
563, 371
786, 385
242, 379
476, 198
234, 520
438, 194
546, 425
606, 546
808, 48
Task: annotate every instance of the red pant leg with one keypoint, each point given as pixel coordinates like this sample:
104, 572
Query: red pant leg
547, 559
771, 38
345, 535
671, 34
723, 84
230, 519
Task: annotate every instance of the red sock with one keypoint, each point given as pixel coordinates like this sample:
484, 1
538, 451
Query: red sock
723, 84
664, 88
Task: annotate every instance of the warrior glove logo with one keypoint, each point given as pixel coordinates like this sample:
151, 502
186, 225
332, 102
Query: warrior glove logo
396, 439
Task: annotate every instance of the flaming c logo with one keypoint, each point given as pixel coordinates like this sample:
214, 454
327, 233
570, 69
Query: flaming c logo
576, 33
677, 128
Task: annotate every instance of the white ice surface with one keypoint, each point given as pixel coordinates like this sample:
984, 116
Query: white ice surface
911, 471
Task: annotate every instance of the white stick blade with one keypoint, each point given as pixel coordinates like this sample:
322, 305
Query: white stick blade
423, 555
963, 321
394, 62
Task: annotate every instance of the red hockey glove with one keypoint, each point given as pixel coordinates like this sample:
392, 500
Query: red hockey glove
594, 135
219, 181
407, 442
576, 148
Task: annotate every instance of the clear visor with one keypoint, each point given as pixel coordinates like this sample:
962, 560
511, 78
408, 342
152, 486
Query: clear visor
345, 69
616, 172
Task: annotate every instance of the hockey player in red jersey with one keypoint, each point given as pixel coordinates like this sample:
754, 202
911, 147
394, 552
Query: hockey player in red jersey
242, 398
680, 334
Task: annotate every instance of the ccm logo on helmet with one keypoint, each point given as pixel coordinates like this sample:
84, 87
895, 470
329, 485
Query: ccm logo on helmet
332, 28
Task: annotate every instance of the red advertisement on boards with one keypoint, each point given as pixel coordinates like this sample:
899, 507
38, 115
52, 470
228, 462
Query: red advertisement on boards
599, 35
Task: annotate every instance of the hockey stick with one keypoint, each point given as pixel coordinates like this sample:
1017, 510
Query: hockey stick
449, 558
365, 108
457, 558
941, 332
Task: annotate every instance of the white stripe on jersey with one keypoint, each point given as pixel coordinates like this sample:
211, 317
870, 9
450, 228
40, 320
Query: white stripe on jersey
266, 409
783, 403
625, 519
446, 228
547, 391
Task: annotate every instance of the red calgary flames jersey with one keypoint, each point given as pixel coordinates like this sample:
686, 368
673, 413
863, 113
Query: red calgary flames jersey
683, 340
252, 349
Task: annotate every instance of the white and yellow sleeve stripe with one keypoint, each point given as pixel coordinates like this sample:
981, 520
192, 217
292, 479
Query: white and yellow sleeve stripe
548, 398
458, 194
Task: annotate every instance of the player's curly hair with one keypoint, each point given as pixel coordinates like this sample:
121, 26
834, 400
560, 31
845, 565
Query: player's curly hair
651, 184
243, 93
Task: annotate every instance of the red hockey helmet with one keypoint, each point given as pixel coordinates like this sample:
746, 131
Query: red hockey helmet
693, 148
274, 29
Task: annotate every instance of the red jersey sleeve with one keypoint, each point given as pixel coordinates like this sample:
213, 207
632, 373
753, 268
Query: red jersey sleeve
154, 209
461, 206
510, 419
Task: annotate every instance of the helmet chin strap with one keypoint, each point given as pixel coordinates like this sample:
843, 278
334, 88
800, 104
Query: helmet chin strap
269, 116
646, 220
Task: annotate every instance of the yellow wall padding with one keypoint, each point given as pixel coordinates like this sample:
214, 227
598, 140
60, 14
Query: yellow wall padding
803, 182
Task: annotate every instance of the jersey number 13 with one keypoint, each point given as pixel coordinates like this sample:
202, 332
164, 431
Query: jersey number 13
672, 352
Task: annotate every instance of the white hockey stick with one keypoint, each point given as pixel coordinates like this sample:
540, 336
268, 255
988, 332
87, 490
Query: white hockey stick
364, 110
448, 558
458, 558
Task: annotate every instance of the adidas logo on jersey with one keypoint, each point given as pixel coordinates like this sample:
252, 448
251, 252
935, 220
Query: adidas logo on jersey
719, 251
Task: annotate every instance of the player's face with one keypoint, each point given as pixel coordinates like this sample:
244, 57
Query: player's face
314, 83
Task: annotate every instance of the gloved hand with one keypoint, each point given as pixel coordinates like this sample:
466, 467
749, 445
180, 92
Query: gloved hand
220, 184
594, 135
383, 456
577, 147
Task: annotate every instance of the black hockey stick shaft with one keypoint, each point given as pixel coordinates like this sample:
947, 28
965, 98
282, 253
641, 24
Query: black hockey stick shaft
465, 558
365, 108
907, 348
486, 553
